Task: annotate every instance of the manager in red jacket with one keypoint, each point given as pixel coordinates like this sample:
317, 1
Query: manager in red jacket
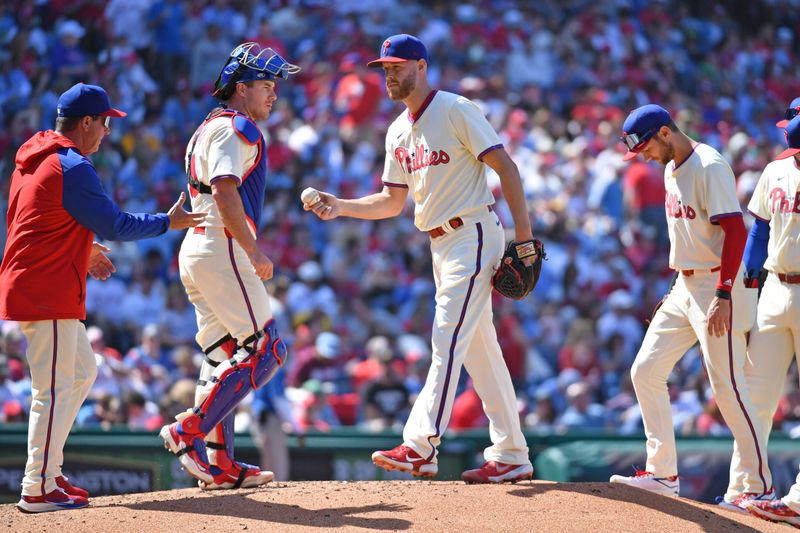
56, 204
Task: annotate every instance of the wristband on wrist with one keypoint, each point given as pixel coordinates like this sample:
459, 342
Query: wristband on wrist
722, 293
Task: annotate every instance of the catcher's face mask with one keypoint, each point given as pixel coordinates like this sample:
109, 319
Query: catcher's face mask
249, 62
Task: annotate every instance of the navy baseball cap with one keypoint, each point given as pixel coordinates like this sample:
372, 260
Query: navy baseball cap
640, 126
81, 100
792, 134
399, 48
792, 111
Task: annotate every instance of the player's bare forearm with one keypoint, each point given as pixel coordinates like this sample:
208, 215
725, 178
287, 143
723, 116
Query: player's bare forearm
385, 204
231, 211
511, 183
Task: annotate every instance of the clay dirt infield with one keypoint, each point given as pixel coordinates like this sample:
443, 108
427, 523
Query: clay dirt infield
393, 506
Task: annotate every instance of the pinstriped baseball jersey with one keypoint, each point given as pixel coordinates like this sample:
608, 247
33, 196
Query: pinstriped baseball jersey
699, 192
437, 153
219, 151
777, 201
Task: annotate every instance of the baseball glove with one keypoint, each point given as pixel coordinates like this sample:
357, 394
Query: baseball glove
513, 279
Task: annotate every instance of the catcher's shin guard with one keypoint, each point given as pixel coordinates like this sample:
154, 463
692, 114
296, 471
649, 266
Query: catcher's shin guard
220, 438
261, 357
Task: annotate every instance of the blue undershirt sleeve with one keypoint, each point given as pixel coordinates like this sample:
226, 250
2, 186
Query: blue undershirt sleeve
87, 202
755, 250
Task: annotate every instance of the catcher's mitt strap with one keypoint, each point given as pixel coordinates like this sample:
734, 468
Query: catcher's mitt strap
526, 249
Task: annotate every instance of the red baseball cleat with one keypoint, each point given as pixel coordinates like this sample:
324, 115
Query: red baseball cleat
64, 484
495, 472
405, 459
58, 500
190, 450
239, 475
774, 511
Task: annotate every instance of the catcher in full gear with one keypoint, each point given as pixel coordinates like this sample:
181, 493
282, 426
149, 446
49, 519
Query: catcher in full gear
222, 268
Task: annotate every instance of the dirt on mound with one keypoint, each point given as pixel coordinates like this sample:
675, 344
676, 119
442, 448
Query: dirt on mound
394, 505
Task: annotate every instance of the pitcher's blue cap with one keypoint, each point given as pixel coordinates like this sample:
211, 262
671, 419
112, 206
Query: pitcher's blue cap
81, 100
399, 48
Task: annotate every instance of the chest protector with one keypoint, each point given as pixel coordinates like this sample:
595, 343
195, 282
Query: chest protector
254, 179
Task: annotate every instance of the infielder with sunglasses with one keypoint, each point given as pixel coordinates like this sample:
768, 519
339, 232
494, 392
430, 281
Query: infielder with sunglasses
708, 302
775, 339
222, 268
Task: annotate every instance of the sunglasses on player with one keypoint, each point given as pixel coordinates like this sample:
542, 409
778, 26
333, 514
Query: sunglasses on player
634, 141
106, 121
791, 112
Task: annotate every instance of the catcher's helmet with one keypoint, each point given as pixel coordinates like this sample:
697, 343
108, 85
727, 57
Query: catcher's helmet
250, 62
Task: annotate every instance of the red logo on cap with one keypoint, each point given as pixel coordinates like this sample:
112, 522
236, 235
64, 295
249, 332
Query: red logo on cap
386, 44
786, 136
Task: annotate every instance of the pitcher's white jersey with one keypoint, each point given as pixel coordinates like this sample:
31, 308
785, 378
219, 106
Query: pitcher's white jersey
777, 200
699, 192
437, 153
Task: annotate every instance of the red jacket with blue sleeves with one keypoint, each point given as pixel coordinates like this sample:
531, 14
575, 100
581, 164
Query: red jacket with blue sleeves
56, 203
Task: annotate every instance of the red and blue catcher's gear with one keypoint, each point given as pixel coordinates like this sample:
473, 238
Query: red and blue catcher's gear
251, 366
249, 62
254, 181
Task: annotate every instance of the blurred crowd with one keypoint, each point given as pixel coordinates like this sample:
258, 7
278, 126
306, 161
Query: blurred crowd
354, 299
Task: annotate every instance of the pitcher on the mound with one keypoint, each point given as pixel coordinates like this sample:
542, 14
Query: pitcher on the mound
708, 302
438, 149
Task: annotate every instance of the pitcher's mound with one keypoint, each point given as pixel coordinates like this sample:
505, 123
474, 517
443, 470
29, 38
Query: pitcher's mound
394, 505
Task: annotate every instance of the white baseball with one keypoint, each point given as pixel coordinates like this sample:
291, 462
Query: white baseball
310, 196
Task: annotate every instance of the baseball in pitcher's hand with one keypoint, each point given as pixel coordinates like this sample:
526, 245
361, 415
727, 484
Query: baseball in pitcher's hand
100, 266
261, 263
719, 314
179, 218
327, 207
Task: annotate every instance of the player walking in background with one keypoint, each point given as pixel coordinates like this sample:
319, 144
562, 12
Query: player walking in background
439, 149
222, 268
56, 203
775, 339
708, 303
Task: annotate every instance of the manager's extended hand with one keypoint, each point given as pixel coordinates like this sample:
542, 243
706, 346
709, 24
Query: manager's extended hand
100, 266
179, 218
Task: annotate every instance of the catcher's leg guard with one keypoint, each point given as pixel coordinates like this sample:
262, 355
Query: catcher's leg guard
220, 437
252, 366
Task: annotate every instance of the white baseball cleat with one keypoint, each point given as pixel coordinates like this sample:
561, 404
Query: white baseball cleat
739, 504
666, 486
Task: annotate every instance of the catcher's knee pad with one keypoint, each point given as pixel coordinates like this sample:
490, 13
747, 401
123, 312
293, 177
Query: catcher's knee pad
219, 352
233, 379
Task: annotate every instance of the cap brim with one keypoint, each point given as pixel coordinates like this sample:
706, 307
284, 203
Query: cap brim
789, 152
630, 155
387, 59
113, 113
782, 123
